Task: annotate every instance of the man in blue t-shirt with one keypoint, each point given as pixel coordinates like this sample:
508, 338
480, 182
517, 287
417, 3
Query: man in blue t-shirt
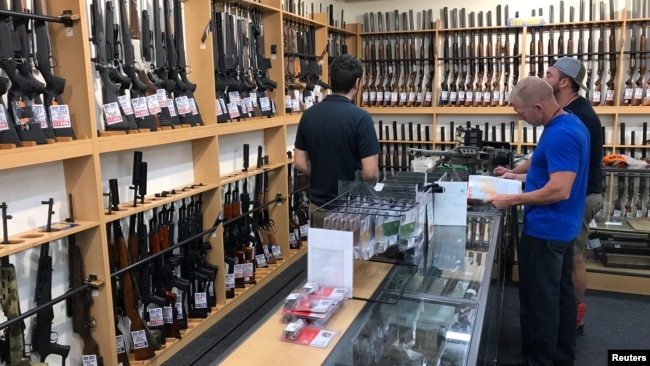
554, 201
335, 138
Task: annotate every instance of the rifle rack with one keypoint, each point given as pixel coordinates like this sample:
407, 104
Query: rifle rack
66, 18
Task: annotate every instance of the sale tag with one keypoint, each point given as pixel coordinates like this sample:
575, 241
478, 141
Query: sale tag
183, 105
38, 115
112, 113
125, 103
140, 107
60, 116
4, 123
153, 104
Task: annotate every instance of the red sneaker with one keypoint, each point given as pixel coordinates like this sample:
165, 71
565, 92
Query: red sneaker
582, 310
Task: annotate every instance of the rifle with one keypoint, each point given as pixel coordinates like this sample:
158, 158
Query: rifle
628, 96
138, 91
487, 92
444, 85
373, 62
24, 90
396, 165
428, 95
134, 27
601, 61
506, 69
388, 88
560, 38
403, 94
517, 59
469, 84
379, 97
642, 194
42, 331
365, 89
499, 54
420, 92
387, 157
403, 157
185, 89
550, 44
609, 95
411, 100
460, 101
638, 90
453, 92
54, 85
478, 90
261, 65
114, 117
540, 51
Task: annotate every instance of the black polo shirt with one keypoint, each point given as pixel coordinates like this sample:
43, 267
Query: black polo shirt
583, 110
337, 135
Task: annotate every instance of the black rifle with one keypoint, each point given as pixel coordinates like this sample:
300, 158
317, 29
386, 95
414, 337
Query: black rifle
114, 117
179, 38
54, 85
138, 90
41, 343
21, 93
260, 66
444, 85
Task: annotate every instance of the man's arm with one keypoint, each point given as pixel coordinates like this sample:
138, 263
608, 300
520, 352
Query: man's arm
370, 168
557, 189
519, 169
301, 161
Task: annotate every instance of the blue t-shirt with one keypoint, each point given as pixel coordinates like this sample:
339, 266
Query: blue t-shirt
562, 147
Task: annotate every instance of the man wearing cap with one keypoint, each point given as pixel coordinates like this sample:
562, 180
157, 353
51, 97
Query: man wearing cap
566, 76
554, 200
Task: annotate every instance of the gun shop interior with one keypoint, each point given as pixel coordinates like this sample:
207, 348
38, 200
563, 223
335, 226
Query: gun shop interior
199, 202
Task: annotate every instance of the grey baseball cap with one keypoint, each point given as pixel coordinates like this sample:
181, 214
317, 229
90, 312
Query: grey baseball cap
573, 69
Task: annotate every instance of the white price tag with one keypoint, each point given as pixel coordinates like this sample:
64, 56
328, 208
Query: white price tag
89, 360
195, 110
295, 105
112, 113
153, 104
469, 96
60, 116
402, 97
287, 101
477, 97
162, 96
39, 115
304, 229
179, 306
394, 97
239, 270
233, 96
496, 96
412, 97
364, 96
461, 95
486, 97
168, 315
444, 95
387, 95
249, 269
244, 106
296, 94
139, 338
452, 96
201, 300
233, 111
140, 108
427, 97
309, 101
277, 252
380, 97
317, 90
596, 96
230, 280
609, 96
4, 122
183, 105
629, 93
265, 104
638, 93
125, 103
170, 106
155, 317
119, 344
261, 260
506, 98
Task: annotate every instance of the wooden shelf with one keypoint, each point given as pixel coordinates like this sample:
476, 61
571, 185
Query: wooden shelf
127, 209
237, 176
505, 110
256, 124
37, 237
293, 119
40, 154
116, 143
400, 110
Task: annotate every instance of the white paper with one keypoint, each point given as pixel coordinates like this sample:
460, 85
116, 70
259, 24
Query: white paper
483, 186
329, 259
450, 207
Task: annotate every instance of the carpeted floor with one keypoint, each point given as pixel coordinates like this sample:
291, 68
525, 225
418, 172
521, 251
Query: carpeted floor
613, 321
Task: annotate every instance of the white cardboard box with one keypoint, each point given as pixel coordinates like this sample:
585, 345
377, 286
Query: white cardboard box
482, 186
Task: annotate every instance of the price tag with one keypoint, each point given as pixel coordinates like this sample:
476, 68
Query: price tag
287, 101
486, 97
265, 104
402, 97
155, 317
427, 97
195, 110
179, 306
233, 111
89, 360
309, 101
379, 187
609, 95
295, 105
4, 122
170, 106
277, 252
119, 343
250, 101
373, 96
139, 338
394, 97
183, 105
112, 113
125, 103
162, 96
444, 95
248, 270
244, 106
364, 96
593, 243
616, 213
596, 96
38, 115
239, 271
153, 104
638, 93
496, 96
261, 260
233, 97
461, 95
638, 213
230, 280
380, 97
317, 90
506, 98
60, 115
292, 240
304, 229
140, 107
387, 95
200, 300
629, 93
477, 97
211, 289
168, 315
412, 97
469, 96
296, 94
452, 97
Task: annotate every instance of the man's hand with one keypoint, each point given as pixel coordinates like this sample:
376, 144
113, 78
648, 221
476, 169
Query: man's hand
501, 201
499, 171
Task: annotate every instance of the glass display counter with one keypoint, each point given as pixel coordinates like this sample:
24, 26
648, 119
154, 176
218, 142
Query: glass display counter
445, 311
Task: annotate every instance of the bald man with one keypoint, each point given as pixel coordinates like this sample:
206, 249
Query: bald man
554, 201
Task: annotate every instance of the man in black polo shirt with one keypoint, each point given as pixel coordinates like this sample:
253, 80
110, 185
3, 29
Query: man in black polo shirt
335, 138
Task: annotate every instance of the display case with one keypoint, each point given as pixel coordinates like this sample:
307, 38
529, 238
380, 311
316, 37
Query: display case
445, 311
